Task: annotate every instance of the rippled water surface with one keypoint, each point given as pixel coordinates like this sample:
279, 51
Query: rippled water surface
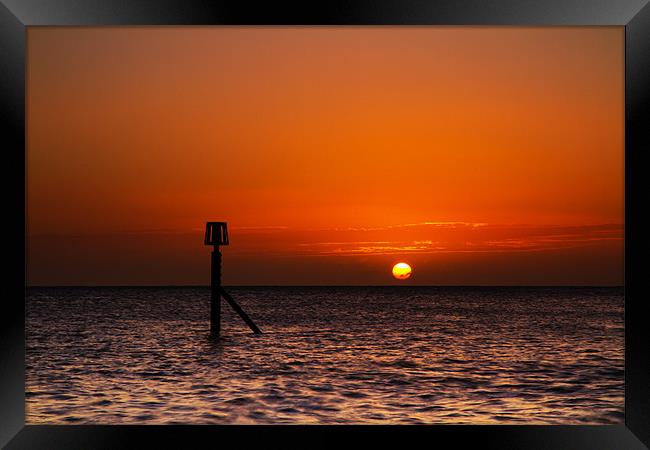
327, 355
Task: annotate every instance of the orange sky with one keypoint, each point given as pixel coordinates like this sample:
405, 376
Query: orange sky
480, 155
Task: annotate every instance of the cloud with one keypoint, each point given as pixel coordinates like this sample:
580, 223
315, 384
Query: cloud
430, 238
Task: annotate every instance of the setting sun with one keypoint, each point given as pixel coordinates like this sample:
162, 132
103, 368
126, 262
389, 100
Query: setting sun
401, 271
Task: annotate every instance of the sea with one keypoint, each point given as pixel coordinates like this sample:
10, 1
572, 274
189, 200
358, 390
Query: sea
327, 355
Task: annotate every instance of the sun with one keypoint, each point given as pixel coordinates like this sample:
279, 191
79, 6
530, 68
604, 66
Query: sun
401, 271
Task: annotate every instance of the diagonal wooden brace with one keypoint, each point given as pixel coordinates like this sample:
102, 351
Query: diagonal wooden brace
240, 311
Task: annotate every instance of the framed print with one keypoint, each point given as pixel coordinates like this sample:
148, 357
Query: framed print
282, 223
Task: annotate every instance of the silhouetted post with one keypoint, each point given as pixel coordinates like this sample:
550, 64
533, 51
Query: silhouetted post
215, 293
216, 234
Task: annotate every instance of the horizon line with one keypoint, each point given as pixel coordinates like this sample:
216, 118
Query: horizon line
328, 285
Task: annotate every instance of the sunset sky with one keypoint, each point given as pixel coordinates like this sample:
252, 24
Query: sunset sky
479, 155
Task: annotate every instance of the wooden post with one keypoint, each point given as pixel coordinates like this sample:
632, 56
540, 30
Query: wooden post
216, 234
215, 293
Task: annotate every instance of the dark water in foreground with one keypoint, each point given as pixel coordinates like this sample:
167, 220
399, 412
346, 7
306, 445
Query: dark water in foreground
327, 355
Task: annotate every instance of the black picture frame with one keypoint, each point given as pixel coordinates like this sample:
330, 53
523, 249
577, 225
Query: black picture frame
17, 15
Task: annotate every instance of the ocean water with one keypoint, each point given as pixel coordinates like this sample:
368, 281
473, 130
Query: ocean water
328, 355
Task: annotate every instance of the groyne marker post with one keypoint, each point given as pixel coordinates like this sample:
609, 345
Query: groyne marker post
216, 234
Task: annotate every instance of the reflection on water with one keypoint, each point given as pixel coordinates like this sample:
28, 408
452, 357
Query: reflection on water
327, 355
